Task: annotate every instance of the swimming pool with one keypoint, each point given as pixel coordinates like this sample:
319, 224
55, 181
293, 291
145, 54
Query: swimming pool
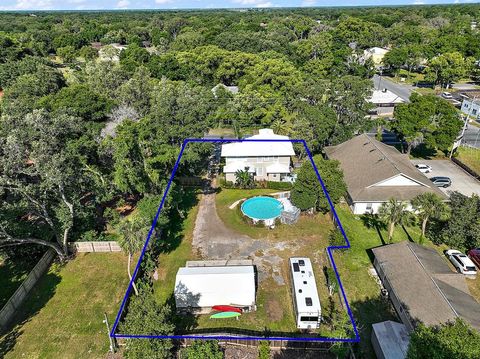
262, 208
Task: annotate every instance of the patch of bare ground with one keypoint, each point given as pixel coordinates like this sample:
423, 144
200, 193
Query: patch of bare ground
274, 309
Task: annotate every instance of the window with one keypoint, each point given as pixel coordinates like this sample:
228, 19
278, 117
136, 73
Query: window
301, 262
266, 159
474, 112
259, 171
296, 268
259, 159
308, 302
309, 319
369, 207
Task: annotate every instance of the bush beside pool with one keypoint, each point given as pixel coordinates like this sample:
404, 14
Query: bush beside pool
262, 208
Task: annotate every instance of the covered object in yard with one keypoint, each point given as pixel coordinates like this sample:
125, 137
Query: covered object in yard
199, 288
390, 340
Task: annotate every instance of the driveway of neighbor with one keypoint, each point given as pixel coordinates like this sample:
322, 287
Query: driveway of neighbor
461, 180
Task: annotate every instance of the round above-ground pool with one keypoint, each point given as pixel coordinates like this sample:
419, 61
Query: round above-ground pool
262, 208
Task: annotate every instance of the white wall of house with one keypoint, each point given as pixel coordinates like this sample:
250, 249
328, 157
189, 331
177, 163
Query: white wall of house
259, 164
472, 108
370, 207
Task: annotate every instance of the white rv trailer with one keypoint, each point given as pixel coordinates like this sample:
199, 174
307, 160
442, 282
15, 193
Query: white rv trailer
304, 293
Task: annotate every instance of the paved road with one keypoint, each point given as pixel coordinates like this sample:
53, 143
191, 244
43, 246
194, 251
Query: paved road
402, 90
472, 136
461, 180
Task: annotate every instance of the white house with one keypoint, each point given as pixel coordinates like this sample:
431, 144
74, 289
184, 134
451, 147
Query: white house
266, 155
201, 286
375, 172
385, 101
471, 107
376, 54
232, 89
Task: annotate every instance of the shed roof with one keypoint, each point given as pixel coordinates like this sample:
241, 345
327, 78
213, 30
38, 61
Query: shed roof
274, 145
384, 96
366, 162
392, 338
425, 286
219, 285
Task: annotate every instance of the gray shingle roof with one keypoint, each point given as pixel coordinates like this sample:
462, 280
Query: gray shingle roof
366, 161
425, 285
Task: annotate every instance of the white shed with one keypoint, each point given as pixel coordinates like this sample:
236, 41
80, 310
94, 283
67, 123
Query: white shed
200, 288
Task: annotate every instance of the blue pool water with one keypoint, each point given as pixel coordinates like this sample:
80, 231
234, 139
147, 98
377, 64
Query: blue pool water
262, 208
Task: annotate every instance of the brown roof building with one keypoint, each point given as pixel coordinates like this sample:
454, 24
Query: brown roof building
375, 172
422, 287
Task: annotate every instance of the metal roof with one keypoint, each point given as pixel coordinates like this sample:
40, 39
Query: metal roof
219, 285
260, 148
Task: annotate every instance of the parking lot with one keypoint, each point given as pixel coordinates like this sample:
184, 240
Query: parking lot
461, 180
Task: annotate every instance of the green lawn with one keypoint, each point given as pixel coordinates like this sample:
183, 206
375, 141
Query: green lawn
13, 273
470, 157
170, 262
63, 316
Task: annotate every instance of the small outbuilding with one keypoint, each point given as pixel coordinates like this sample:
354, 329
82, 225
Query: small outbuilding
390, 340
202, 284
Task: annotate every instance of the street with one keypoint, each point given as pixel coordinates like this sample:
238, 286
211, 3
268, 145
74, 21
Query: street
472, 136
402, 90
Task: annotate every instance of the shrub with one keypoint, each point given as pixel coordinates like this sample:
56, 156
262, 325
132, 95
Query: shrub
332, 281
282, 186
203, 349
264, 350
336, 239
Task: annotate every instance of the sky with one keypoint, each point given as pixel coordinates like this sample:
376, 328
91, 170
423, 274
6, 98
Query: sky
202, 4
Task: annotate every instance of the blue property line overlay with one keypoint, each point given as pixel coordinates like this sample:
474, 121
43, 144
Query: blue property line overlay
329, 250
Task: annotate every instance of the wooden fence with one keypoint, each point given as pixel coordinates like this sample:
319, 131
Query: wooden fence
10, 308
83, 247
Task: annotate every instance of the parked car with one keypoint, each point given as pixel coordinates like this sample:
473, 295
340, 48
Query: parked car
447, 95
441, 181
474, 255
460, 261
423, 168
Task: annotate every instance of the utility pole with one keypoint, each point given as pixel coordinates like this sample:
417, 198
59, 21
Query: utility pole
112, 340
465, 125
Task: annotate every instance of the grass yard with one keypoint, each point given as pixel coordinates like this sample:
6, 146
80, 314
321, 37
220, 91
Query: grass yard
169, 263
470, 157
13, 273
63, 316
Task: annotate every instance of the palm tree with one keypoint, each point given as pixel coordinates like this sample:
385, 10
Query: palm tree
428, 205
244, 179
133, 235
392, 213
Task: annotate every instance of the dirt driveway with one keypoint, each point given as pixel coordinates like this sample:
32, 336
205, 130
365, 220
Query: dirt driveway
213, 240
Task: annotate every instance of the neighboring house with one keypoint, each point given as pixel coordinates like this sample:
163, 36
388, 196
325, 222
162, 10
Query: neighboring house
268, 160
202, 284
232, 89
422, 287
471, 105
375, 172
384, 101
390, 340
376, 54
